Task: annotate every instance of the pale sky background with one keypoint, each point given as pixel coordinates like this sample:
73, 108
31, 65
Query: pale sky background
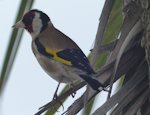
29, 87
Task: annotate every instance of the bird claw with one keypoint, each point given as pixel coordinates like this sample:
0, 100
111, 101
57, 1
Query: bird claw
59, 101
55, 108
71, 87
73, 94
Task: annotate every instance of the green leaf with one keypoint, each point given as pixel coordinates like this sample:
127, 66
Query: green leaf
13, 45
114, 24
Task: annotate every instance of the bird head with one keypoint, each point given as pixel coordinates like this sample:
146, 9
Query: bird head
34, 22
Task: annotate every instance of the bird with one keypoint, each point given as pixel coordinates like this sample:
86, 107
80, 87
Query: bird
59, 56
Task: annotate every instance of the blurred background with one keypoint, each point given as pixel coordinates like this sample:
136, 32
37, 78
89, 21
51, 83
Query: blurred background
24, 86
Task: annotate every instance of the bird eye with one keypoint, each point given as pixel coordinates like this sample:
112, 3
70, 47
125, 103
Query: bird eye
28, 20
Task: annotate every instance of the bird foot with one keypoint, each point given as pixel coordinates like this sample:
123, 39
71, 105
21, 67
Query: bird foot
59, 101
71, 87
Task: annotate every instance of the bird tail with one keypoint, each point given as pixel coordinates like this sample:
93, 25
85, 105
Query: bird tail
95, 84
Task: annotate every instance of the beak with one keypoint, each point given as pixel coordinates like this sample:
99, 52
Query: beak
19, 24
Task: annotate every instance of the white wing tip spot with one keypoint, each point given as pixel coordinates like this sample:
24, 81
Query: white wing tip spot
100, 88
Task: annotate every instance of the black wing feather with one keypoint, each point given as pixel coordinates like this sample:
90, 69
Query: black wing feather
77, 58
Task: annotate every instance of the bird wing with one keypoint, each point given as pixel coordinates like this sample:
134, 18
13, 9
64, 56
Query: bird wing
69, 56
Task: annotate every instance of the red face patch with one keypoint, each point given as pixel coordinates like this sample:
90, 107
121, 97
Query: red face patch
27, 20
29, 14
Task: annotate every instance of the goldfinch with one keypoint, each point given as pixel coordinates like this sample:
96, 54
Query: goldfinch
59, 56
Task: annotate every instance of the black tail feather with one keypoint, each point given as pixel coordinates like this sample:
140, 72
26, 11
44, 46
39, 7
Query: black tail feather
95, 84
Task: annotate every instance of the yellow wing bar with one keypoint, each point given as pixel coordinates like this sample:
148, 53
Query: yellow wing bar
53, 52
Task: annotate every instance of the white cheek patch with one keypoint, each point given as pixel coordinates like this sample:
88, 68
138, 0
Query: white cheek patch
36, 25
